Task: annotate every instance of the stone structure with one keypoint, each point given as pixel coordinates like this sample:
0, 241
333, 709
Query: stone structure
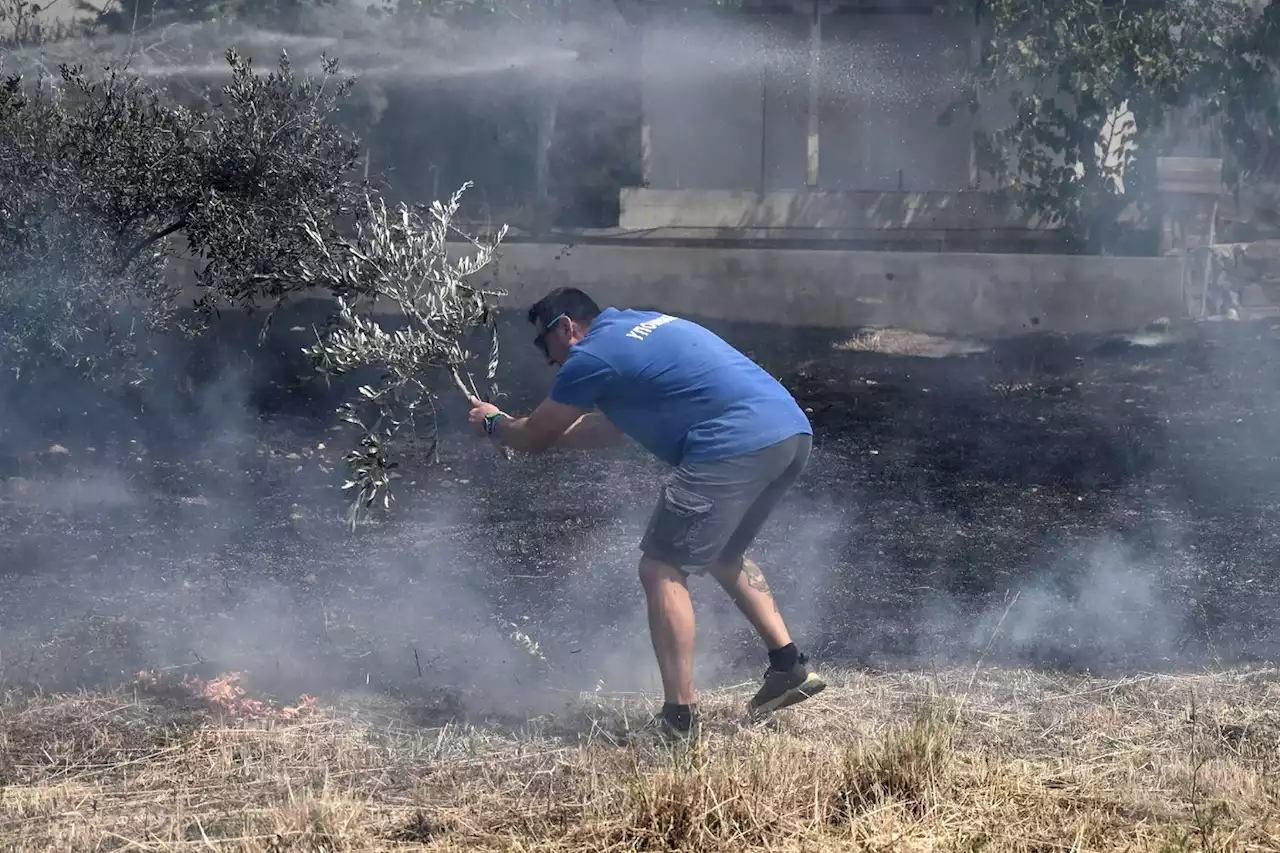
945, 293
820, 115
1236, 277
968, 220
838, 96
1222, 278
781, 144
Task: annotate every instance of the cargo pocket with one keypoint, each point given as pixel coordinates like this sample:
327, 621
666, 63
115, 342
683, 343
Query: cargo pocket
680, 522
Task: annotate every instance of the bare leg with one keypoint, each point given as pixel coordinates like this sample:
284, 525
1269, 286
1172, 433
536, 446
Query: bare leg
747, 587
671, 627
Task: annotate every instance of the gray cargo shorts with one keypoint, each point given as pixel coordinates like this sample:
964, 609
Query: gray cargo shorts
711, 512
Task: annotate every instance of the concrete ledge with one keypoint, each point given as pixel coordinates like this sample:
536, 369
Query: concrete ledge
839, 211
1018, 241
977, 295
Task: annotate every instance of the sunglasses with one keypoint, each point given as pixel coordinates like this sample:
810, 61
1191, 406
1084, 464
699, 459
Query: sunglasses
541, 340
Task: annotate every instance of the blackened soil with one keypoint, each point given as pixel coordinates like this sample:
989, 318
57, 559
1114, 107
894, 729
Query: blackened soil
1097, 504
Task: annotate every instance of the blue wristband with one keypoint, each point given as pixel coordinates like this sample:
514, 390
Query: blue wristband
491, 422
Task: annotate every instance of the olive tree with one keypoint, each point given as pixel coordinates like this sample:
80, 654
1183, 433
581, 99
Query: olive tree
105, 181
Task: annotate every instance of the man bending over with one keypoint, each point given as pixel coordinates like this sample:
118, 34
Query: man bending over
736, 441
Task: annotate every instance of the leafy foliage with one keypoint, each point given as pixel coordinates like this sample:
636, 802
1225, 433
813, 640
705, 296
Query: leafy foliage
22, 22
99, 179
398, 257
123, 16
272, 155
128, 15
82, 273
1242, 92
1092, 85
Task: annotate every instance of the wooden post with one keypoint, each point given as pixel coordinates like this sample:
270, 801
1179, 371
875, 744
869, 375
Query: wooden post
975, 63
550, 106
645, 167
764, 130
643, 81
815, 93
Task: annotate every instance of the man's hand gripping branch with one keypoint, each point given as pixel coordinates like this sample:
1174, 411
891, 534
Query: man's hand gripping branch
550, 425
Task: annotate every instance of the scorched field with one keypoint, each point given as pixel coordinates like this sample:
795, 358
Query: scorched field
1040, 576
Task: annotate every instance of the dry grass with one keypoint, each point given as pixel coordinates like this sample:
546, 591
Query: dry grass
946, 761
889, 341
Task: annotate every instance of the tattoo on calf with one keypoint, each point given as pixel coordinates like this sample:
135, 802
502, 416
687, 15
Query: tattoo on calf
755, 578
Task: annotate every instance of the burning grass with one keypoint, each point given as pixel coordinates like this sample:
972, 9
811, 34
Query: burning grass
1000, 760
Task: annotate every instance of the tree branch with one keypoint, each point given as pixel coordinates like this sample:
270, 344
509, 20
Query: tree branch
142, 245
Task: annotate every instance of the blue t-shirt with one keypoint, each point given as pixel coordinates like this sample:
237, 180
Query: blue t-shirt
676, 388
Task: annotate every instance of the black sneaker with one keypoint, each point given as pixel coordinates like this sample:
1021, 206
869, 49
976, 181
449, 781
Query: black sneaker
669, 730
783, 688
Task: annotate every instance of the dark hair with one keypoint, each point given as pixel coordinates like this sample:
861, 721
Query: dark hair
577, 305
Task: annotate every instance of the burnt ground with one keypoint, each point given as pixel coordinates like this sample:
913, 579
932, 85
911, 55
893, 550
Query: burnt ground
1083, 504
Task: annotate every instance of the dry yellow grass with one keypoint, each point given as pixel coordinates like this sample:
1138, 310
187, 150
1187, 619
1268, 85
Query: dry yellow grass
1000, 761
888, 341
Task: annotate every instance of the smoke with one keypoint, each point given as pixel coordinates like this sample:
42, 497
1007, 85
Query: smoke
216, 544
373, 48
203, 531
865, 57
1103, 609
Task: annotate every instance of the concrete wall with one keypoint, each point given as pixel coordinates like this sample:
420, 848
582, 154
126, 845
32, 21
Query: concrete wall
726, 99
937, 211
885, 81
943, 293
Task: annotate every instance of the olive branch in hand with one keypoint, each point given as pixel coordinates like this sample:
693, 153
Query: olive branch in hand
399, 257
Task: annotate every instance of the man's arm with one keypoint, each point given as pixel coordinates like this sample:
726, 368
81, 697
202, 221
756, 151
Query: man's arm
589, 432
544, 428
579, 384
